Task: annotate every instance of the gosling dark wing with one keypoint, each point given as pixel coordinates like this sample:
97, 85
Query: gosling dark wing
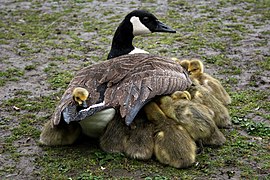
145, 77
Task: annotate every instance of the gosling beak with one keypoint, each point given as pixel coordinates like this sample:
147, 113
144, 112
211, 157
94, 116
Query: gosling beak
161, 27
84, 104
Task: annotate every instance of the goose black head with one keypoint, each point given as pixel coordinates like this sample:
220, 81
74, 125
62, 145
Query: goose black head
144, 22
137, 22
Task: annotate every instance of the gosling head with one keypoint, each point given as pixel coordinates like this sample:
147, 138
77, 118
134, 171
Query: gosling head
177, 95
195, 67
80, 96
185, 64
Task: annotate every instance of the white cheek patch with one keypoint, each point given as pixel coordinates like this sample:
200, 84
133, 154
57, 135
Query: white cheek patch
137, 50
138, 27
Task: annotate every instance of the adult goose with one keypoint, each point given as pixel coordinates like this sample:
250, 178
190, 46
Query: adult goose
137, 22
127, 82
124, 84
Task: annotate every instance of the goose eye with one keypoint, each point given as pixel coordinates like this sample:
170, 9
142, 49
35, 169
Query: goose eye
146, 19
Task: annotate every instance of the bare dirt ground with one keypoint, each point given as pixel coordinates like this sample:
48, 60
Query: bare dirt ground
43, 43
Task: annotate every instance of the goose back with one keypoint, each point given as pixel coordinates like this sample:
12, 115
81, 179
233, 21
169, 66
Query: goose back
126, 82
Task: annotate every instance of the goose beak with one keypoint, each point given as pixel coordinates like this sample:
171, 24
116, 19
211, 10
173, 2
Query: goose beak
161, 27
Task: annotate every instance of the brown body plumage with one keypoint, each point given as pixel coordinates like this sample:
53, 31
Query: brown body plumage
127, 82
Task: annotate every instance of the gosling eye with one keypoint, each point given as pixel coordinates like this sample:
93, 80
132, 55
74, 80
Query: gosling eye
146, 19
77, 98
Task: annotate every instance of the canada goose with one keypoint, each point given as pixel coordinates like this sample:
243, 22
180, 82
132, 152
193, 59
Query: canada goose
172, 143
125, 83
128, 81
196, 118
138, 22
139, 144
200, 94
196, 70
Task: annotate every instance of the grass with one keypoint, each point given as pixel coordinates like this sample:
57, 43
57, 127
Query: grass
31, 104
252, 128
11, 74
246, 102
46, 43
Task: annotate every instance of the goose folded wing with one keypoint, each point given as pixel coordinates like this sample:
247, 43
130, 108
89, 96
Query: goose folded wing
152, 76
126, 82
87, 78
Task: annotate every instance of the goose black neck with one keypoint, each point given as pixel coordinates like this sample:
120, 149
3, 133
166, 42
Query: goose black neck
122, 40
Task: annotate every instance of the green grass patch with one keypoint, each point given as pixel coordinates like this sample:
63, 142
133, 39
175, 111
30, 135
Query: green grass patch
234, 70
56, 77
30, 67
219, 59
60, 80
264, 64
246, 102
251, 127
43, 103
58, 58
11, 74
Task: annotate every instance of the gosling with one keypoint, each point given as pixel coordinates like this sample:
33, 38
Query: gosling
196, 118
172, 144
196, 70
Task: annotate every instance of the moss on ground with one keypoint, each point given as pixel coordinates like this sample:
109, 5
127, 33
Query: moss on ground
44, 44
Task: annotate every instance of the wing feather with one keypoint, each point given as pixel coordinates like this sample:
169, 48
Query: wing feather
131, 81
150, 77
